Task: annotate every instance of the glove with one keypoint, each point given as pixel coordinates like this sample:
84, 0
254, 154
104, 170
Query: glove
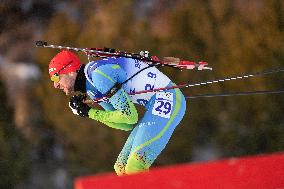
78, 107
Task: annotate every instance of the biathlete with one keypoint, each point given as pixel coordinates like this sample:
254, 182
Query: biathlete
163, 110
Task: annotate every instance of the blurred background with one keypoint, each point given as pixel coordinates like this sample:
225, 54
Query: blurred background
44, 145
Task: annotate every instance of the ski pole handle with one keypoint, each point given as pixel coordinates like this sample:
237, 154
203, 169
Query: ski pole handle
41, 43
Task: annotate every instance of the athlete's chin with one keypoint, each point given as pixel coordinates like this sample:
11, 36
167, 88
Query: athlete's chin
68, 92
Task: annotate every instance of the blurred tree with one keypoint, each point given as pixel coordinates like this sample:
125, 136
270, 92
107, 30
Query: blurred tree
81, 148
233, 42
220, 32
14, 159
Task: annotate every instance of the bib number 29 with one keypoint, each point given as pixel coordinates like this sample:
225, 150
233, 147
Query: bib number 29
163, 105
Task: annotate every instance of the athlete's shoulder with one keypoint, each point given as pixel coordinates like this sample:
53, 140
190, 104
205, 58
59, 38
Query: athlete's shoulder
108, 60
110, 67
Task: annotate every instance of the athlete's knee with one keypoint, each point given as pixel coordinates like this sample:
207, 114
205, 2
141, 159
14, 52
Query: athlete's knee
119, 168
136, 165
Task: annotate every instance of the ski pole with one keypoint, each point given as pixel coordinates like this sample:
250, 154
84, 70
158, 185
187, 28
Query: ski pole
265, 72
245, 93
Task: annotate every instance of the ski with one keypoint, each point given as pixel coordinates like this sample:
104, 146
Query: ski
142, 56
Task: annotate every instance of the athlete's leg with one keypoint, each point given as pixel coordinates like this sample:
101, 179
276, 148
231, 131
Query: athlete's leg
121, 161
155, 129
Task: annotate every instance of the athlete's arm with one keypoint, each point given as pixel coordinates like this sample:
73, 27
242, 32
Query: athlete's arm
122, 113
124, 110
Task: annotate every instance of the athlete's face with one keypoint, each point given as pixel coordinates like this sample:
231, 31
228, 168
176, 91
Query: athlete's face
66, 83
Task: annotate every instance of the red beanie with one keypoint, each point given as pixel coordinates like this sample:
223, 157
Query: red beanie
62, 59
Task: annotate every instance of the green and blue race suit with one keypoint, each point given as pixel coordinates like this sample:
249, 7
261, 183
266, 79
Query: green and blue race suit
163, 110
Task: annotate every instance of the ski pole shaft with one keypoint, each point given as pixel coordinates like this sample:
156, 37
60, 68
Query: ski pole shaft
235, 94
265, 72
